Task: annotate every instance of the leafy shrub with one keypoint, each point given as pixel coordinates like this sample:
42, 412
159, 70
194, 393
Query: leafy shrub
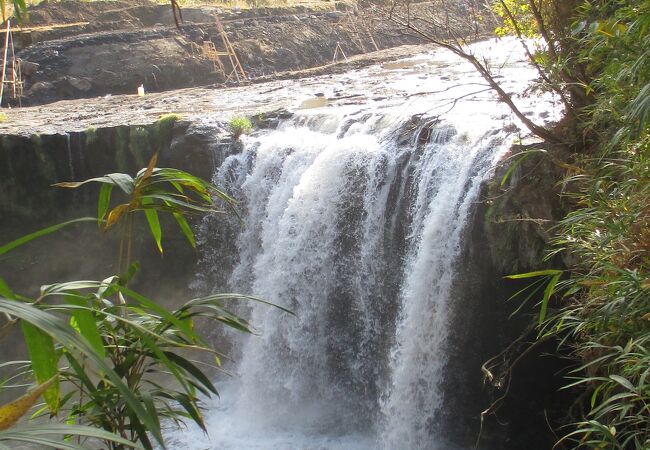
239, 125
118, 353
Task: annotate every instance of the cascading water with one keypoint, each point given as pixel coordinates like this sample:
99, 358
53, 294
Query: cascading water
355, 221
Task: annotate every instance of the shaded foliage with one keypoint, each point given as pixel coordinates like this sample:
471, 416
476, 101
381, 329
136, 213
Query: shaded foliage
105, 355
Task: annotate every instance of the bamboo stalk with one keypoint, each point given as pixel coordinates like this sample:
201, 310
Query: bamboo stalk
4, 62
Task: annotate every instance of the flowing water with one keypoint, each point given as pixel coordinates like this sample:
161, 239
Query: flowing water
355, 218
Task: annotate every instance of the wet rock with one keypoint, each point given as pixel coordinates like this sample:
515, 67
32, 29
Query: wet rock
29, 68
271, 119
40, 88
81, 84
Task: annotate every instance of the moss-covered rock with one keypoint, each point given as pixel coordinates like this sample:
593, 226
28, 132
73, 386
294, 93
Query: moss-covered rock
521, 205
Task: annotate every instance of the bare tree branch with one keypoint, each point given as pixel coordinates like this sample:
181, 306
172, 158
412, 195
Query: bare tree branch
456, 45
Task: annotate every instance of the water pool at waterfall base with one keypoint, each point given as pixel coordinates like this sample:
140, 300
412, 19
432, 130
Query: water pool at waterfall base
229, 431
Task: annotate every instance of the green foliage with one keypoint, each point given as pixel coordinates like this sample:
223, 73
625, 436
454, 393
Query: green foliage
41, 435
153, 191
606, 308
19, 9
239, 125
520, 10
599, 309
614, 37
169, 118
105, 355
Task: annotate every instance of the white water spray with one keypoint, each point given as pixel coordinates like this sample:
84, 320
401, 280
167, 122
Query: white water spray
355, 221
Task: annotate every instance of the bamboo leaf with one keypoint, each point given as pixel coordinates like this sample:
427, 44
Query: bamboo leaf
64, 334
623, 382
11, 413
37, 434
86, 325
154, 223
512, 168
538, 273
44, 359
123, 181
185, 228
192, 370
68, 287
103, 202
548, 292
162, 312
45, 231
6, 291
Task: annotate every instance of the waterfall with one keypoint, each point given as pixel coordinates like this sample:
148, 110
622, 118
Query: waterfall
354, 222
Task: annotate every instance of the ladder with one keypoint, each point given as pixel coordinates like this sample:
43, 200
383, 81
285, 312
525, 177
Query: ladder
237, 73
209, 50
12, 75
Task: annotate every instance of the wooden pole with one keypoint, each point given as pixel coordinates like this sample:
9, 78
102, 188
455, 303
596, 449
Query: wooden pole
336, 53
4, 62
13, 66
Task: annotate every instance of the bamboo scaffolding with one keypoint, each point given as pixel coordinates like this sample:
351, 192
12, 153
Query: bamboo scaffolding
237, 69
15, 81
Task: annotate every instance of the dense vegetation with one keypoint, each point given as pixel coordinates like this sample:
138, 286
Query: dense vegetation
599, 309
111, 363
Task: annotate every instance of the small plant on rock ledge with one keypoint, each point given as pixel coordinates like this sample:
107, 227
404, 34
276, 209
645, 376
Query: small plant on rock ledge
240, 125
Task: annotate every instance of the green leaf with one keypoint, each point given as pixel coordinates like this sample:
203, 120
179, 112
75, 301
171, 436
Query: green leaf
6, 291
61, 332
185, 228
154, 223
522, 157
539, 273
623, 382
190, 368
43, 355
103, 202
174, 201
548, 292
86, 325
37, 434
45, 231
68, 287
162, 312
123, 181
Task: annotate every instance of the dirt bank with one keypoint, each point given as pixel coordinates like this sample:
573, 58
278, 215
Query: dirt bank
90, 49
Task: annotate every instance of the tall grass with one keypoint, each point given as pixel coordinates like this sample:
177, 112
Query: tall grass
605, 311
602, 309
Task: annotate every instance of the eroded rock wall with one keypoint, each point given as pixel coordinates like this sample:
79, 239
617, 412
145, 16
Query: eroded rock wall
119, 48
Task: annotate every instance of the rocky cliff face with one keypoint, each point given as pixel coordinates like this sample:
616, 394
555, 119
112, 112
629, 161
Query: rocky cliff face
28, 202
509, 234
113, 47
